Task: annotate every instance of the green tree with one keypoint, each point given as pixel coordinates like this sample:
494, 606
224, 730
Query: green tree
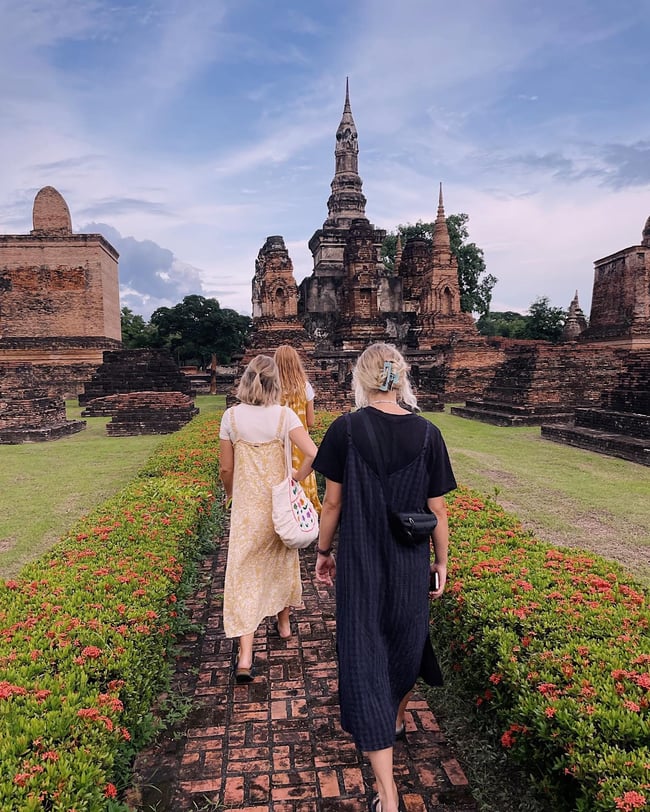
544, 321
502, 323
197, 328
540, 322
474, 282
136, 333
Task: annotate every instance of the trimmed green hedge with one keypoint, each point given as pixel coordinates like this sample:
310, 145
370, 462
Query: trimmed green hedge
555, 647
85, 632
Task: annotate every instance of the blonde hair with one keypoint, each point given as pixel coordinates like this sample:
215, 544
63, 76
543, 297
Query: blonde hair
292, 374
370, 377
260, 383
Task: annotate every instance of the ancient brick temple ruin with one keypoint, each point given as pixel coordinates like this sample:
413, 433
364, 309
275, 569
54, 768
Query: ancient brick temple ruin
351, 299
59, 297
28, 412
60, 336
59, 311
619, 336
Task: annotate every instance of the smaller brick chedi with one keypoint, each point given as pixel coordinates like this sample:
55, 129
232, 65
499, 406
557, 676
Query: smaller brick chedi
59, 311
59, 297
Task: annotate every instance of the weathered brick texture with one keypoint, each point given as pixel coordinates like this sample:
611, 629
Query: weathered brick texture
125, 371
147, 412
28, 412
59, 298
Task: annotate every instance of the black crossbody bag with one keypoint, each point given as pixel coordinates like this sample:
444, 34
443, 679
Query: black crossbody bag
409, 527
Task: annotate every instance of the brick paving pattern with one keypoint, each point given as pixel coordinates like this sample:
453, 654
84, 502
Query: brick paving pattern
276, 745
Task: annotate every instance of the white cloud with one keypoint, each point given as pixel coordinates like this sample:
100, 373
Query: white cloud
205, 127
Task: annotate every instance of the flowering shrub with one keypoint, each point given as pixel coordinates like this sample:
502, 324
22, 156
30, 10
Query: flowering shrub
555, 646
85, 630
322, 421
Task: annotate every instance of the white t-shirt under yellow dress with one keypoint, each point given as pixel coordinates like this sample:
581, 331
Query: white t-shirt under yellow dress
309, 485
262, 575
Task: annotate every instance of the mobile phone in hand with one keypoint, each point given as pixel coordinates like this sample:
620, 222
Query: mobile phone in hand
434, 581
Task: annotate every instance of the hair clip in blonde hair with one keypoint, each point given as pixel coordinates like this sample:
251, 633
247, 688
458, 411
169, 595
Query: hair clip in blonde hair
388, 377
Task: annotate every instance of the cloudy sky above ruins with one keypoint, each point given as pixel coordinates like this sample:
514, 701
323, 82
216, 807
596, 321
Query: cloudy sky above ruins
193, 130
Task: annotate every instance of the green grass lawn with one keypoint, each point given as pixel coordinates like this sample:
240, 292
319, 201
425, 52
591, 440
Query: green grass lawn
565, 495
46, 487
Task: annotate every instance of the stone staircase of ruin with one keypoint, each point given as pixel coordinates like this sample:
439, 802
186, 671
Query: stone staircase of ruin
526, 389
620, 427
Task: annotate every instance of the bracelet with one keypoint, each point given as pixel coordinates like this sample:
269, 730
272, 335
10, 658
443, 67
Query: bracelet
326, 553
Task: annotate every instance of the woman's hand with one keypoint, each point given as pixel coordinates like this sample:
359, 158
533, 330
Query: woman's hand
325, 569
441, 571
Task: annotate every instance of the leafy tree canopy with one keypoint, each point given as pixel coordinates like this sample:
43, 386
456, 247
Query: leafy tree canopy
542, 321
136, 332
193, 330
474, 282
545, 321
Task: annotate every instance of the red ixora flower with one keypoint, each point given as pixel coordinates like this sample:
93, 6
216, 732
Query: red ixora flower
508, 738
7, 690
110, 791
630, 801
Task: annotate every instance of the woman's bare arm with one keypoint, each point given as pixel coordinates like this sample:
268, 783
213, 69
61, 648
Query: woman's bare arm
309, 414
329, 521
440, 538
226, 465
303, 441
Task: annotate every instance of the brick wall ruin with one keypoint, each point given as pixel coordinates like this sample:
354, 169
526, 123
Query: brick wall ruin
59, 297
351, 300
28, 410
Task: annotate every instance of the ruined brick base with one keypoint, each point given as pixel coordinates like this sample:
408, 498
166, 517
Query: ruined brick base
504, 414
617, 434
39, 435
135, 371
146, 412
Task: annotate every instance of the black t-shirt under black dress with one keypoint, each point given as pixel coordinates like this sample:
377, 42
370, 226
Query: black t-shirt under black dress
382, 588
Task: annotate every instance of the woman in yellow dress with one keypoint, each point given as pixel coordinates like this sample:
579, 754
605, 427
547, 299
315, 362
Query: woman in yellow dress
298, 395
262, 575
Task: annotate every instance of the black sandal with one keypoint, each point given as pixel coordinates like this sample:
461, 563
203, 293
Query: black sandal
244, 675
375, 804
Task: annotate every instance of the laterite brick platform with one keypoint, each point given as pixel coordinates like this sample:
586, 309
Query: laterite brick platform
276, 745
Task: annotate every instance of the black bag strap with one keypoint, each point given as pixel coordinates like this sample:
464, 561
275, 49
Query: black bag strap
380, 463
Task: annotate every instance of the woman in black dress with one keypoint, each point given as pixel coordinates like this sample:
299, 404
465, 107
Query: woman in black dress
382, 587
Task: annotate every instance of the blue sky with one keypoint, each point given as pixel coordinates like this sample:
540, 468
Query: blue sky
190, 131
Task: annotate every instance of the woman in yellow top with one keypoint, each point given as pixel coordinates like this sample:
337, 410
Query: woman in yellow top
298, 395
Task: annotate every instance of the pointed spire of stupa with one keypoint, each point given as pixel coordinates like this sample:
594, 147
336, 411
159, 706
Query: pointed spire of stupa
347, 200
575, 322
440, 230
347, 146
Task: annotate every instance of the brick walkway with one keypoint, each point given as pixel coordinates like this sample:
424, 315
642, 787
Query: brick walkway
275, 745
